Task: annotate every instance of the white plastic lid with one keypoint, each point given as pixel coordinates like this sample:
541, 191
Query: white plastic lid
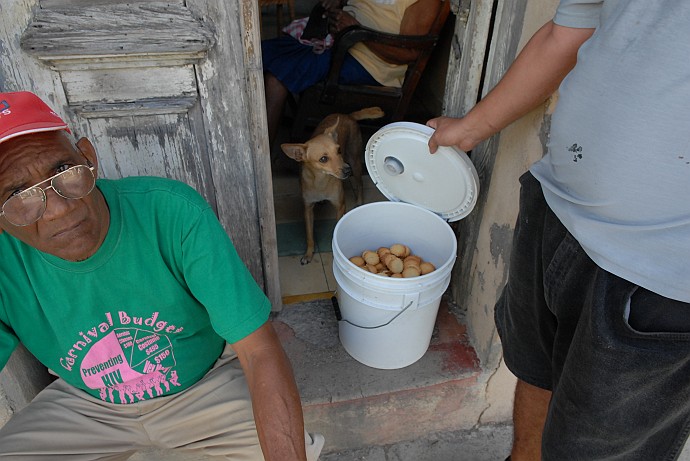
400, 164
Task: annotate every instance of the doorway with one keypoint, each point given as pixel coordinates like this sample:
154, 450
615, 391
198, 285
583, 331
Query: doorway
315, 280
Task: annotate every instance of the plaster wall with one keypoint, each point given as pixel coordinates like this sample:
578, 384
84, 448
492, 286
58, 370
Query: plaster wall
519, 145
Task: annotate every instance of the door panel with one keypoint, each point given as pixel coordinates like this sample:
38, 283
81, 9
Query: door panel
161, 88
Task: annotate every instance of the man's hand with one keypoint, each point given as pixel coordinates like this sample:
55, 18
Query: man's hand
536, 73
452, 132
329, 5
339, 20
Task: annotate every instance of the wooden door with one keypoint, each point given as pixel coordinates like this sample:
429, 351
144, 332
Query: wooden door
170, 89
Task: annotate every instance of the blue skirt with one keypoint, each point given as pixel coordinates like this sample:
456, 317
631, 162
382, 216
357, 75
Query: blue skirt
298, 67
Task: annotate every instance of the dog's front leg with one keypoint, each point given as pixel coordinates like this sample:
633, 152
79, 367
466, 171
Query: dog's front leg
309, 227
340, 208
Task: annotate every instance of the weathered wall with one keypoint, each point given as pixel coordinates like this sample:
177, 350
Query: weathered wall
518, 146
23, 377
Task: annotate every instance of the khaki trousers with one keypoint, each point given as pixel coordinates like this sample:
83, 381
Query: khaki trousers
214, 417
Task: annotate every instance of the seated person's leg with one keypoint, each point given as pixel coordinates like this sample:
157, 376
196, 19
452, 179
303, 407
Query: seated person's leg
353, 73
213, 417
64, 423
295, 65
291, 67
276, 95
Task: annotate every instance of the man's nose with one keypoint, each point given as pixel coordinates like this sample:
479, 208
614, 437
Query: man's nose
56, 205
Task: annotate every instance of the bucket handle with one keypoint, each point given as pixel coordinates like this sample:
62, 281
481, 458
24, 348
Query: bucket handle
339, 316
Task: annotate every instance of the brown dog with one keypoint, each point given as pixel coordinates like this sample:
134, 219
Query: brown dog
333, 153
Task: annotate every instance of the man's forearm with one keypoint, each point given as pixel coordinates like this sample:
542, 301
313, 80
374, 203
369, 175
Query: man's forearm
278, 414
531, 79
417, 20
392, 54
275, 398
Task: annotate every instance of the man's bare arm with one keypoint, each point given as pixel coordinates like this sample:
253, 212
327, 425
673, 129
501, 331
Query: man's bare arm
417, 20
275, 398
536, 74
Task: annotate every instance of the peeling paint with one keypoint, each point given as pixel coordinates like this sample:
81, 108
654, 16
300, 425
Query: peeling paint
481, 279
208, 70
545, 129
5, 410
3, 81
501, 241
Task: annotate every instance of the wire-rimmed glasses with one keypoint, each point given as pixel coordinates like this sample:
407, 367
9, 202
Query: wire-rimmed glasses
27, 207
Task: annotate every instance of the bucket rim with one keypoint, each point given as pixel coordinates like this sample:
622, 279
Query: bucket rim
440, 271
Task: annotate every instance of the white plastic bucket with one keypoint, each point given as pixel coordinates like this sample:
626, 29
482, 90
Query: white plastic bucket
387, 322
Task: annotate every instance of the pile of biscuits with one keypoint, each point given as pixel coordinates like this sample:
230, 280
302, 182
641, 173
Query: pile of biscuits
395, 261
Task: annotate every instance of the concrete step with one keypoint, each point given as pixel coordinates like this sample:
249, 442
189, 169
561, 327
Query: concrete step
429, 411
355, 406
486, 443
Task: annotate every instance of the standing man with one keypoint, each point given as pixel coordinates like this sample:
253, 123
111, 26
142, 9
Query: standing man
131, 292
595, 317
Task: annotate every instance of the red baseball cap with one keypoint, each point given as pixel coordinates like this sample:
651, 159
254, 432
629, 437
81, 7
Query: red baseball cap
23, 112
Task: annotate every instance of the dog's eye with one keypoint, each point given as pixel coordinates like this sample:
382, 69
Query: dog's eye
324, 159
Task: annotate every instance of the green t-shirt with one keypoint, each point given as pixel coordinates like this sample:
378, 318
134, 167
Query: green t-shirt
149, 313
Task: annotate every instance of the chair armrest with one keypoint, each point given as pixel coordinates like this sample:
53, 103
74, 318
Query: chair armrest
355, 34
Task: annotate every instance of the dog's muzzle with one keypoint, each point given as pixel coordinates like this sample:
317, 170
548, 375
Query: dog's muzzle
346, 171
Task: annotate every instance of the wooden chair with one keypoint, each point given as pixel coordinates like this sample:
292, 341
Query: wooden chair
279, 11
329, 96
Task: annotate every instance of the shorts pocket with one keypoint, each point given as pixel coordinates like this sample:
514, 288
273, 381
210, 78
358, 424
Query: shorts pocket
649, 313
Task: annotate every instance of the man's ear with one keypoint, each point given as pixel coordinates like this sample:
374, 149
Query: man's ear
89, 152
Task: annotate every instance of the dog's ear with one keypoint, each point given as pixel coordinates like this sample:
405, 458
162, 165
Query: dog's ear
332, 130
296, 152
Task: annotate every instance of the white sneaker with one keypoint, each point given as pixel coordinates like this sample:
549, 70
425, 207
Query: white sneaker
314, 444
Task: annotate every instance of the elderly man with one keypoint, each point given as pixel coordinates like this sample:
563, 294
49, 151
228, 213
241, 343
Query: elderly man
131, 292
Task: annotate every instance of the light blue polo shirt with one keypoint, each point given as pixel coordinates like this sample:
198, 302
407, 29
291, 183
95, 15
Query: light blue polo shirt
617, 170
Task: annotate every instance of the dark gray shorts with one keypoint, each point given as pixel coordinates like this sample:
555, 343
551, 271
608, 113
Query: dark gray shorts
616, 356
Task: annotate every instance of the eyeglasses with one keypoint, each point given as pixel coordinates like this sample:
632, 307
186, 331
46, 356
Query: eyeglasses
27, 206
